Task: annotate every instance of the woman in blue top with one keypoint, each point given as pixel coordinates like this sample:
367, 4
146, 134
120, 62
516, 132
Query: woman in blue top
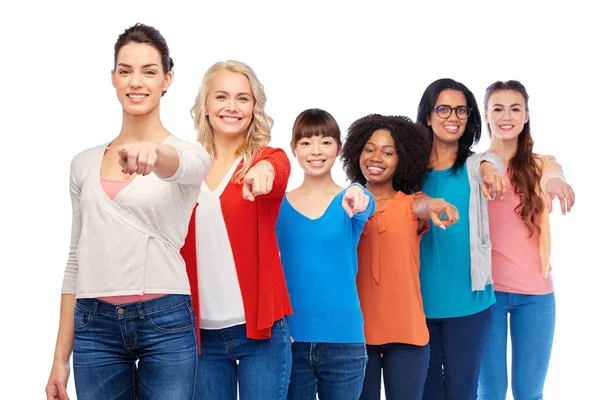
456, 268
318, 230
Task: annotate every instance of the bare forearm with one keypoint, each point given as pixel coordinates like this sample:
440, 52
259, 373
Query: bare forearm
421, 207
64, 341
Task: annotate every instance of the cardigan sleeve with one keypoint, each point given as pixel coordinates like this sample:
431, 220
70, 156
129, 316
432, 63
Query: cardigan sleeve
70, 278
481, 157
194, 164
550, 169
281, 165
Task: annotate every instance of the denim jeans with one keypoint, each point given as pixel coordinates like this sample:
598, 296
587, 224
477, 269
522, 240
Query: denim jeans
457, 346
404, 369
531, 335
261, 367
159, 334
334, 370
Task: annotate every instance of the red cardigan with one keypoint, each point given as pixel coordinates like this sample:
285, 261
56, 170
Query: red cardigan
251, 229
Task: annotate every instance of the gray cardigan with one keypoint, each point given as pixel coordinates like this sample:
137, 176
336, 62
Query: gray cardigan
481, 246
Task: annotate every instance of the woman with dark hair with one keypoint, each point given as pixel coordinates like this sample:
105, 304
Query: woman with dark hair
318, 230
389, 155
126, 312
456, 265
520, 235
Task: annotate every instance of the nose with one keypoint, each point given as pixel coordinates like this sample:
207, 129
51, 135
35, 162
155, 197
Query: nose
136, 79
453, 115
231, 105
315, 149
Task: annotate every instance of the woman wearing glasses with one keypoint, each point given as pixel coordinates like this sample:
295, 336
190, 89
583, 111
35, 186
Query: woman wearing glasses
456, 265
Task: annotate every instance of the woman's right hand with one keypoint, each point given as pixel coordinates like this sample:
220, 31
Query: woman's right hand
56, 389
438, 207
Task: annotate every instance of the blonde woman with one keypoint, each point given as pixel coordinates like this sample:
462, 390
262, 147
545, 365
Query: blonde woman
237, 281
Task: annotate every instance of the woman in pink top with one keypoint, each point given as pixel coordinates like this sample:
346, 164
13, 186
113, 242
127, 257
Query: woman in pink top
519, 231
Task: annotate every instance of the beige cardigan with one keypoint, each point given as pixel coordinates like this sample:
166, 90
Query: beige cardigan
550, 169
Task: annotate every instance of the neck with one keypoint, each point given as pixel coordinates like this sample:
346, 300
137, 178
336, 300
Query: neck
318, 184
505, 149
226, 148
142, 128
442, 154
381, 190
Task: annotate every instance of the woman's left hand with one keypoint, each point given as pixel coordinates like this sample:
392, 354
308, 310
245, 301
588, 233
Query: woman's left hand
556, 187
355, 200
258, 180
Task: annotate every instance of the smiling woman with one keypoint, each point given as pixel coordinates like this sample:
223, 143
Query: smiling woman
232, 257
125, 296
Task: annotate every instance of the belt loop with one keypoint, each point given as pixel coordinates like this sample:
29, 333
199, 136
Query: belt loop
140, 310
95, 306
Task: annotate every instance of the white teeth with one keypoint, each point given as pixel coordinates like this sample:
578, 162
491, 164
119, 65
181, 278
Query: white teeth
451, 127
137, 96
231, 119
317, 162
375, 168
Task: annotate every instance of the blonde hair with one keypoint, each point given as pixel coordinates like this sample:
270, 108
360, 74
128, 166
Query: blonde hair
259, 131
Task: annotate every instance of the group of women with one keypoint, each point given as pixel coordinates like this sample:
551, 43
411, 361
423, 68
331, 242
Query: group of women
194, 274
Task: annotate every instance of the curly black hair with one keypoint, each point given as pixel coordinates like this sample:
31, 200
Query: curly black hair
472, 132
412, 146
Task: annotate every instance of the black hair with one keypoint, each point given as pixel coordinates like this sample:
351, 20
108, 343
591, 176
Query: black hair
472, 132
140, 33
412, 147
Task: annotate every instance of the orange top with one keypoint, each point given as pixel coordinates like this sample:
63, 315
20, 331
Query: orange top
388, 275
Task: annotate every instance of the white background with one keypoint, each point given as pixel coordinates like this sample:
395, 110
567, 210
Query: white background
348, 59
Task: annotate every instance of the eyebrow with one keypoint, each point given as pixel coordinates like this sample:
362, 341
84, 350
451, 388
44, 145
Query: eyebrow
512, 105
239, 94
387, 145
143, 66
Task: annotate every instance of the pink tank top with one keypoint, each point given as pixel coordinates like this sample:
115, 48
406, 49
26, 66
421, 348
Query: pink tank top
516, 264
112, 187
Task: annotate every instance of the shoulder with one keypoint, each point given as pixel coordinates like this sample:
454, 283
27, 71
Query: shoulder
267, 152
88, 155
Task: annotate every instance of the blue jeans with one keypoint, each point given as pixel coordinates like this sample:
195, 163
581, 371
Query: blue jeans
334, 370
404, 369
159, 334
457, 346
261, 367
531, 335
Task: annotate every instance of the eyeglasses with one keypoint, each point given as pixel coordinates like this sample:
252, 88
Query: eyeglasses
445, 111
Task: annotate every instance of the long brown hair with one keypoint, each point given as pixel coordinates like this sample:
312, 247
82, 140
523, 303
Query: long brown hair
525, 171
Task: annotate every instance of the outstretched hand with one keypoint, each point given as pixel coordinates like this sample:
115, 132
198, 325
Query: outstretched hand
258, 180
355, 200
556, 187
138, 158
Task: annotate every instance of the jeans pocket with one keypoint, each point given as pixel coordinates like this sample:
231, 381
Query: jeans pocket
82, 319
176, 319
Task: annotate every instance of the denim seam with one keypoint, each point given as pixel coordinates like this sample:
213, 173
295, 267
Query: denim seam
174, 330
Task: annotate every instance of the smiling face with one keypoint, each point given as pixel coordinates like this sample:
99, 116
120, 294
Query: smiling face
230, 104
448, 130
316, 155
139, 78
378, 160
506, 114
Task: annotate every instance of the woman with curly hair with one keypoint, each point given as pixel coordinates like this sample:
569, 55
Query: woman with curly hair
236, 277
318, 230
388, 154
520, 234
456, 265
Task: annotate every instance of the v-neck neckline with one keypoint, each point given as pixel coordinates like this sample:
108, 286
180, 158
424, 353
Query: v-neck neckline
221, 186
319, 217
